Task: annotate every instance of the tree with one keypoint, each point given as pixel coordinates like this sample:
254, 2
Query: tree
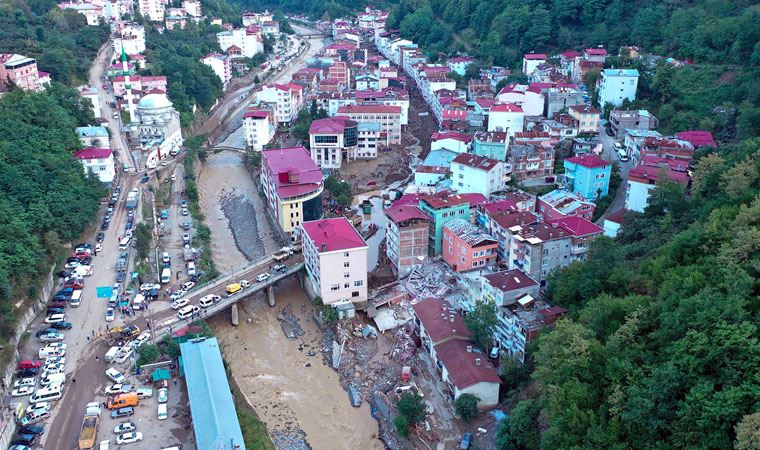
401, 424
149, 354
466, 406
412, 407
143, 239
329, 316
748, 433
481, 322
519, 431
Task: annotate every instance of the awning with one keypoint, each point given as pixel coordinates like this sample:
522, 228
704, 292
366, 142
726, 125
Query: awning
161, 374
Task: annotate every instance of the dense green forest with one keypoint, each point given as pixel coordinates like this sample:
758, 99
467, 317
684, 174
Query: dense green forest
45, 198
60, 40
176, 54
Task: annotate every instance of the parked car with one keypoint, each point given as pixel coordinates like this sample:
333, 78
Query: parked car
54, 318
166, 258
51, 337
22, 382
122, 412
187, 286
280, 268
185, 212
27, 372
104, 227
145, 178
262, 277
125, 427
110, 315
180, 303
115, 376
183, 203
38, 334
31, 429
100, 237
466, 440
22, 391
129, 438
186, 238
185, 226
163, 412
55, 310
25, 439
29, 364
163, 395
63, 325
38, 408
118, 388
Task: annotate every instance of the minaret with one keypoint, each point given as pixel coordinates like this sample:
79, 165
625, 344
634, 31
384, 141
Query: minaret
127, 85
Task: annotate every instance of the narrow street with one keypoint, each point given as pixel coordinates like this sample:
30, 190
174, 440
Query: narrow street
610, 154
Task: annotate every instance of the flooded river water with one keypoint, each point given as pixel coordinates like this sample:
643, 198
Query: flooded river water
288, 384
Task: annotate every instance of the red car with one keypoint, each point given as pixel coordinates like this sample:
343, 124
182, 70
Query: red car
76, 284
80, 255
29, 364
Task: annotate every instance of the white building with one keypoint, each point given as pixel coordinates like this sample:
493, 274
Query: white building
618, 85
192, 8
93, 137
158, 128
153, 10
451, 140
288, 99
221, 65
92, 12
259, 128
336, 261
477, 174
531, 61
98, 161
131, 39
506, 117
91, 94
248, 40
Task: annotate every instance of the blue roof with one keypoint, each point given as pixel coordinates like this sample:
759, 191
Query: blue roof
215, 421
92, 131
441, 158
621, 73
633, 132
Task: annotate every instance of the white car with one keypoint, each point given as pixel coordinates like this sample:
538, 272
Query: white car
163, 395
39, 406
24, 382
55, 318
262, 277
46, 352
176, 295
118, 388
51, 337
149, 286
22, 391
166, 258
110, 315
162, 411
187, 286
140, 340
125, 427
72, 265
56, 345
180, 303
209, 300
115, 375
129, 438
55, 360
47, 372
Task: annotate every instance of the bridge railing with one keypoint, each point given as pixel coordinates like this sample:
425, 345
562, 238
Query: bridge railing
222, 278
159, 333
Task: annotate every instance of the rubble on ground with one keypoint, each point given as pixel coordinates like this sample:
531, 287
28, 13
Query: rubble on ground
289, 324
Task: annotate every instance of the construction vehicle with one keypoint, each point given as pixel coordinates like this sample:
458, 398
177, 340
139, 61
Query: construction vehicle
89, 426
282, 254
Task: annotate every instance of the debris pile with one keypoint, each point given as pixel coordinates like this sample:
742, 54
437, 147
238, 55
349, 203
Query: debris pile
289, 324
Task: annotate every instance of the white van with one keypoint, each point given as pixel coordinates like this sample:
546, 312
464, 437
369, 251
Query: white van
52, 392
622, 154
138, 302
111, 353
53, 378
188, 311
47, 352
124, 243
207, 301
191, 269
166, 275
76, 298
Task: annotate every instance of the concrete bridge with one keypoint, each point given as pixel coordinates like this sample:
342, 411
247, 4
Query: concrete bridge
165, 322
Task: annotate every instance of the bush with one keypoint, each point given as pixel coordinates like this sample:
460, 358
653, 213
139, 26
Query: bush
402, 425
329, 316
466, 406
412, 407
149, 354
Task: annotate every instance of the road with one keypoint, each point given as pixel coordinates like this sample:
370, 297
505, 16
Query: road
625, 166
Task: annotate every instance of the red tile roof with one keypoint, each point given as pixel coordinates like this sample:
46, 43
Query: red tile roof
585, 109
376, 109
405, 212
500, 205
697, 138
256, 114
510, 280
484, 103
506, 107
475, 161
452, 135
462, 366
292, 170
589, 161
577, 226
570, 54
93, 153
596, 51
435, 316
538, 87
508, 219
534, 56
407, 199
651, 174
431, 169
330, 235
330, 125
618, 216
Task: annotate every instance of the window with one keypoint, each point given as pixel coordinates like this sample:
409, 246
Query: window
359, 283
334, 287
346, 274
345, 254
346, 285
346, 264
451, 250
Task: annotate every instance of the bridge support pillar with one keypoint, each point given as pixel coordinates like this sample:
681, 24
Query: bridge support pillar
270, 294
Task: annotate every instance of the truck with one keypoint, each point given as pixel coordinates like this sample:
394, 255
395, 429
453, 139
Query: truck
89, 426
132, 199
188, 253
282, 254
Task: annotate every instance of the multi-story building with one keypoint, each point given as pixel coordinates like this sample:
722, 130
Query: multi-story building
459, 64
158, 128
491, 145
506, 117
91, 12
531, 161
443, 207
335, 256
288, 100
152, 9
91, 94
292, 185
458, 142
131, 37
466, 247
340, 72
94, 137
499, 223
588, 176
561, 203
472, 173
521, 322
446, 340
192, 8
617, 85
531, 61
641, 119
248, 40
99, 162
367, 82
406, 237
259, 128
389, 118
332, 140
587, 117
20, 71
221, 65
561, 98
645, 176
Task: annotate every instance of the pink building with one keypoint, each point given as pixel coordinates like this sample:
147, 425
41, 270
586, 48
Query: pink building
465, 247
20, 71
560, 203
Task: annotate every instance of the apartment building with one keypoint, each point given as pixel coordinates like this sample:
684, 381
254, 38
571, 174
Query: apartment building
388, 117
531, 161
288, 99
478, 174
406, 237
259, 128
466, 247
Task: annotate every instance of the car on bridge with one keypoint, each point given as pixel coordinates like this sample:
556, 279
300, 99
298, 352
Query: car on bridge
262, 277
209, 300
180, 303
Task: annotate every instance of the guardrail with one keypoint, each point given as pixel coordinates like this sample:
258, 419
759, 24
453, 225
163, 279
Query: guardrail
159, 334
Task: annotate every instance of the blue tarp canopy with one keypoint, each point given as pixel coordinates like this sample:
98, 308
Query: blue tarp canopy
161, 374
